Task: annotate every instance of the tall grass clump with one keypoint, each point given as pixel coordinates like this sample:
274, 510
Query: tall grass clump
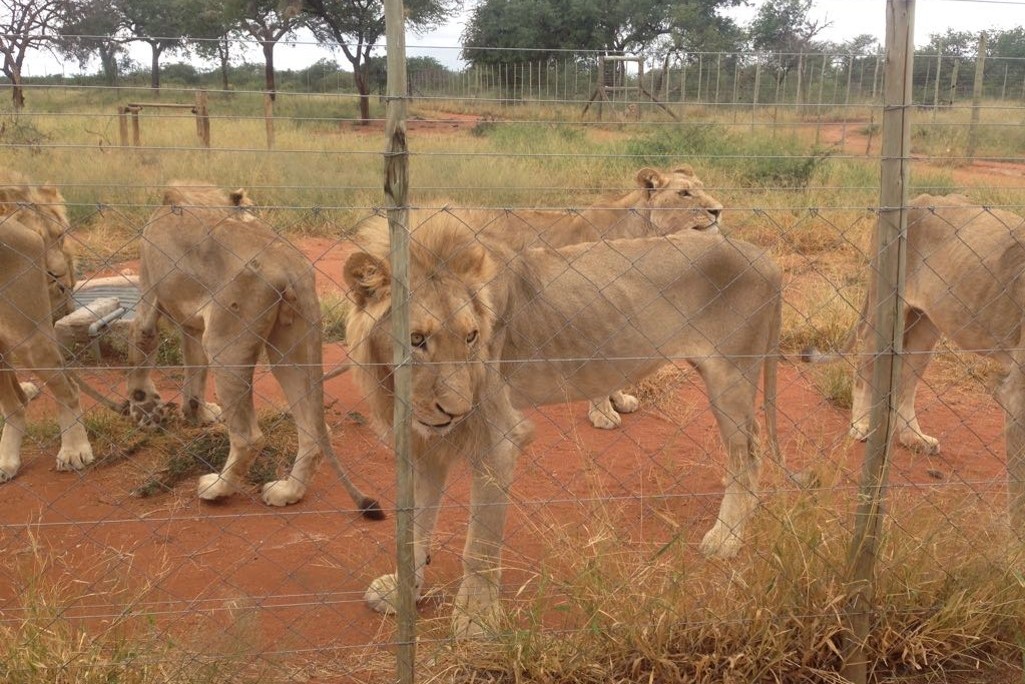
602, 609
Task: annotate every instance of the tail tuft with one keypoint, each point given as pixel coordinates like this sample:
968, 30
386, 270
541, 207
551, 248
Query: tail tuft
371, 510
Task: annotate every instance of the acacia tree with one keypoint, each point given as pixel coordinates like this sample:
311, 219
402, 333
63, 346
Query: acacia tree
26, 25
268, 21
356, 26
93, 30
164, 25
530, 30
784, 28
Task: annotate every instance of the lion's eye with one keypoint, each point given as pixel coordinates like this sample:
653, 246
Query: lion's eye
684, 193
418, 340
471, 337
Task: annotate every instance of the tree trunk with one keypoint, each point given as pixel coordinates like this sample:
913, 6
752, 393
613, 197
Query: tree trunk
364, 96
108, 62
17, 91
154, 77
268, 70
224, 54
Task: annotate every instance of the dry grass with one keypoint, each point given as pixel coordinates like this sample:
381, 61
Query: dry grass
947, 603
57, 632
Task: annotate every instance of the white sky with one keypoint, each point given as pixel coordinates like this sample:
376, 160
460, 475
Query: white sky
848, 18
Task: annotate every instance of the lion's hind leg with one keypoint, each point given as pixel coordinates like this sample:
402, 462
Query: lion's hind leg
233, 367
144, 405
195, 408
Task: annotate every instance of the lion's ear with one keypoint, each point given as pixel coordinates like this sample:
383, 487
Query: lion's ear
367, 277
650, 178
685, 169
239, 198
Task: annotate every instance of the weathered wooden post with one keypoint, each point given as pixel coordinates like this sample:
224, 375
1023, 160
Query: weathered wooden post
268, 119
203, 117
122, 125
889, 243
977, 86
396, 183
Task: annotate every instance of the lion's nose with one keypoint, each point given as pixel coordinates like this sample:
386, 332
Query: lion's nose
715, 213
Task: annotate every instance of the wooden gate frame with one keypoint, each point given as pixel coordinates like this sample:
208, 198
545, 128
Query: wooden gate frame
200, 109
601, 93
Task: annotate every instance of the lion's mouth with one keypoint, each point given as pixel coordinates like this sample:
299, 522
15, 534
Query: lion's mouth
428, 429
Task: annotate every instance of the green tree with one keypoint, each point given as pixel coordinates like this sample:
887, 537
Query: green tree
93, 30
268, 22
784, 29
356, 26
164, 25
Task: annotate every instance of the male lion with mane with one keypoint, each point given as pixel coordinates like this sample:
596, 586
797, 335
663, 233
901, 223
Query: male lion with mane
963, 280
234, 288
661, 204
495, 329
36, 279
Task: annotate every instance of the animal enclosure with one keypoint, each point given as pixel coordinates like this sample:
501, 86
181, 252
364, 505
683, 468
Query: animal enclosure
561, 230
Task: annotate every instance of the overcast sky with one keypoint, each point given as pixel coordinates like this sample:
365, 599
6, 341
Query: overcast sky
847, 18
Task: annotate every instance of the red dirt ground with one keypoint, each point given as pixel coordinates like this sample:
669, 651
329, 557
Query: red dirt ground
288, 583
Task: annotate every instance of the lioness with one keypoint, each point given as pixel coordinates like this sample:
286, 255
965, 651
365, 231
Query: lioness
662, 203
494, 329
234, 288
963, 280
36, 278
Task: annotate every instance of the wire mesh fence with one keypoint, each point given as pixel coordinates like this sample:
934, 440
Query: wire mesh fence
627, 304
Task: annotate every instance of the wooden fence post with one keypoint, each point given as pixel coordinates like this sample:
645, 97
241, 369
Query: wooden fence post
890, 243
122, 125
136, 137
202, 118
977, 86
396, 180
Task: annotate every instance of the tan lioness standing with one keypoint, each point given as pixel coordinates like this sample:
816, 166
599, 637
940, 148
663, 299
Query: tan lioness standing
662, 203
963, 280
36, 279
234, 288
494, 330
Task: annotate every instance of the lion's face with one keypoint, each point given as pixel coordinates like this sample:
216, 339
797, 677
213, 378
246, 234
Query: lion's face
678, 201
451, 323
42, 210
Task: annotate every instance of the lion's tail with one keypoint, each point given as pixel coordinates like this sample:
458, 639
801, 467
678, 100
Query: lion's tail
293, 306
815, 355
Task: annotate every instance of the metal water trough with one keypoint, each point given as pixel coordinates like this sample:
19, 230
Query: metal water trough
102, 306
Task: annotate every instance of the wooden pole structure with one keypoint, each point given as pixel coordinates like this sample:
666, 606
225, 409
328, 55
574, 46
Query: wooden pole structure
396, 185
980, 69
890, 243
202, 118
122, 125
136, 136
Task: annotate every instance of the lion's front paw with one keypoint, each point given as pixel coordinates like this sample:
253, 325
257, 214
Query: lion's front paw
859, 431
920, 442
625, 403
212, 486
603, 416
74, 456
201, 413
382, 594
720, 542
477, 610
283, 492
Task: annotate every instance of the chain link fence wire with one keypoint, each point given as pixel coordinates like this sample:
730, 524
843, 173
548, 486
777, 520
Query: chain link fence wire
119, 570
